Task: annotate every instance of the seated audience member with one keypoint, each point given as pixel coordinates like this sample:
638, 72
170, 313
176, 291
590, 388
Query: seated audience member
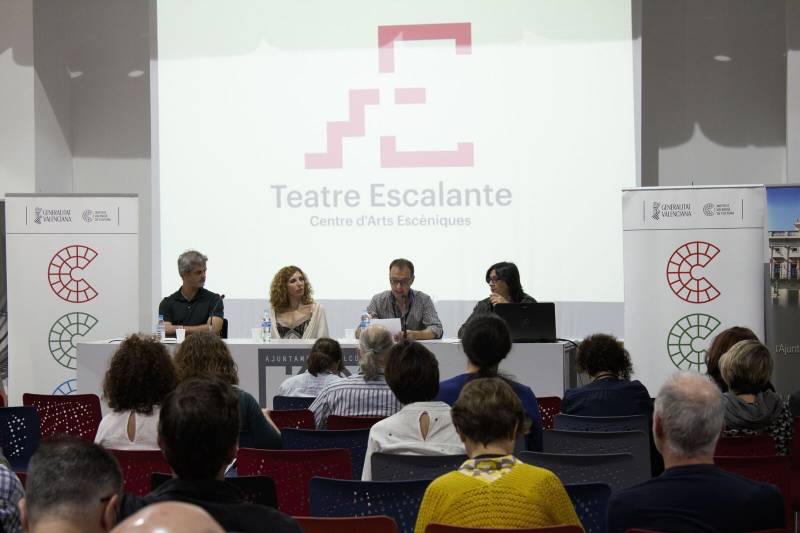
365, 393
611, 391
493, 488
73, 486
138, 378
293, 311
325, 366
750, 409
504, 288
169, 517
693, 495
423, 426
206, 355
198, 432
11, 492
486, 342
721, 344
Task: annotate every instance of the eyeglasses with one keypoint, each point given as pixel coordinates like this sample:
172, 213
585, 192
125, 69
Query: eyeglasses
494, 280
402, 282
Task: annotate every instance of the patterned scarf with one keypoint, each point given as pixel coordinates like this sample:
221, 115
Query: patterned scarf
489, 469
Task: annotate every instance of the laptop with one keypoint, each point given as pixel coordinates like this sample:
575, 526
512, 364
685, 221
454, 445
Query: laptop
529, 322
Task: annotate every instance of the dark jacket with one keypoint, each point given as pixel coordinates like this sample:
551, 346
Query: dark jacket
484, 307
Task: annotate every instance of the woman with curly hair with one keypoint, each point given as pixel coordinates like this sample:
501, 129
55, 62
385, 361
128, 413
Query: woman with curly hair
610, 391
206, 355
138, 378
293, 311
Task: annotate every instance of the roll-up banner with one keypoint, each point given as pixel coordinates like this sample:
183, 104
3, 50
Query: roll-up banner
72, 265
693, 264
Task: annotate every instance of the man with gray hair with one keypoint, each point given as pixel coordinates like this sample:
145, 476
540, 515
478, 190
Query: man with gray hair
365, 393
192, 306
692, 494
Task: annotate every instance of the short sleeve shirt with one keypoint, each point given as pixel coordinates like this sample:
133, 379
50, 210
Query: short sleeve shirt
179, 311
421, 313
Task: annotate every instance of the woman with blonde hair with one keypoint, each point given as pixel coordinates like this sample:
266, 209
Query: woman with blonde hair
204, 355
293, 311
746, 368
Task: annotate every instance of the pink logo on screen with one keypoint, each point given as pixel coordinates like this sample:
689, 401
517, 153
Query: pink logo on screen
359, 99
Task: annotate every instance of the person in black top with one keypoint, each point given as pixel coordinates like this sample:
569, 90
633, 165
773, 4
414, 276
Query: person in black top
198, 430
693, 495
505, 288
192, 306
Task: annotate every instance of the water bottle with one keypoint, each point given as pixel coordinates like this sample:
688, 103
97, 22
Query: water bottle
161, 329
365, 320
266, 327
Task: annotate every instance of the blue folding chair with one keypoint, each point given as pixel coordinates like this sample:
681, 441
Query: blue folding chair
20, 434
353, 440
601, 423
618, 470
591, 504
396, 467
399, 500
636, 443
286, 403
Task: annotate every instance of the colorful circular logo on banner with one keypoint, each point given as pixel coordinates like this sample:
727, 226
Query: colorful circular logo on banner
65, 273
62, 337
684, 339
683, 272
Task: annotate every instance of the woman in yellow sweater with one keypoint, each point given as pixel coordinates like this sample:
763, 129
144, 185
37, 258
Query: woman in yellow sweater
493, 488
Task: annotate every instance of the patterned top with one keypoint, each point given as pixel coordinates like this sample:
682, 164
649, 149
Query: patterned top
781, 430
421, 313
295, 332
11, 492
354, 396
496, 492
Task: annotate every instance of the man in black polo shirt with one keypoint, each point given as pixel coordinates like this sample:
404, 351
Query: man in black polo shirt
192, 306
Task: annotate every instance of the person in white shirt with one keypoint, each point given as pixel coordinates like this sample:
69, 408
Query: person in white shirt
138, 378
422, 426
325, 366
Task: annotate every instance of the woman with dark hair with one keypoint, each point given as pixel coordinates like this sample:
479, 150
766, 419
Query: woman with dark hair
721, 344
423, 426
494, 489
293, 311
610, 391
205, 355
138, 378
504, 287
324, 367
486, 342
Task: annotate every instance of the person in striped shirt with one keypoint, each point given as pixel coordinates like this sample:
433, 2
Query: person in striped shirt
366, 392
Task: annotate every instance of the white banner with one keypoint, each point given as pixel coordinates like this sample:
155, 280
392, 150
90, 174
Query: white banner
693, 260
72, 275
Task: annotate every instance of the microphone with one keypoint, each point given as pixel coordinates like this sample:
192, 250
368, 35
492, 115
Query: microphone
211, 314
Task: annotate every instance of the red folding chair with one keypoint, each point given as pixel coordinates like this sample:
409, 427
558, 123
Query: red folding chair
766, 468
373, 524
441, 528
138, 467
78, 415
291, 470
293, 418
549, 406
745, 446
352, 422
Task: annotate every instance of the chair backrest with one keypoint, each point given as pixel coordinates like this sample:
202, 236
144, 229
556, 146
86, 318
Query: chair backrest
20, 435
591, 504
348, 524
745, 446
291, 470
549, 407
636, 443
78, 415
397, 499
353, 440
352, 422
293, 418
766, 468
795, 451
441, 528
395, 467
284, 403
601, 423
617, 470
259, 490
138, 467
